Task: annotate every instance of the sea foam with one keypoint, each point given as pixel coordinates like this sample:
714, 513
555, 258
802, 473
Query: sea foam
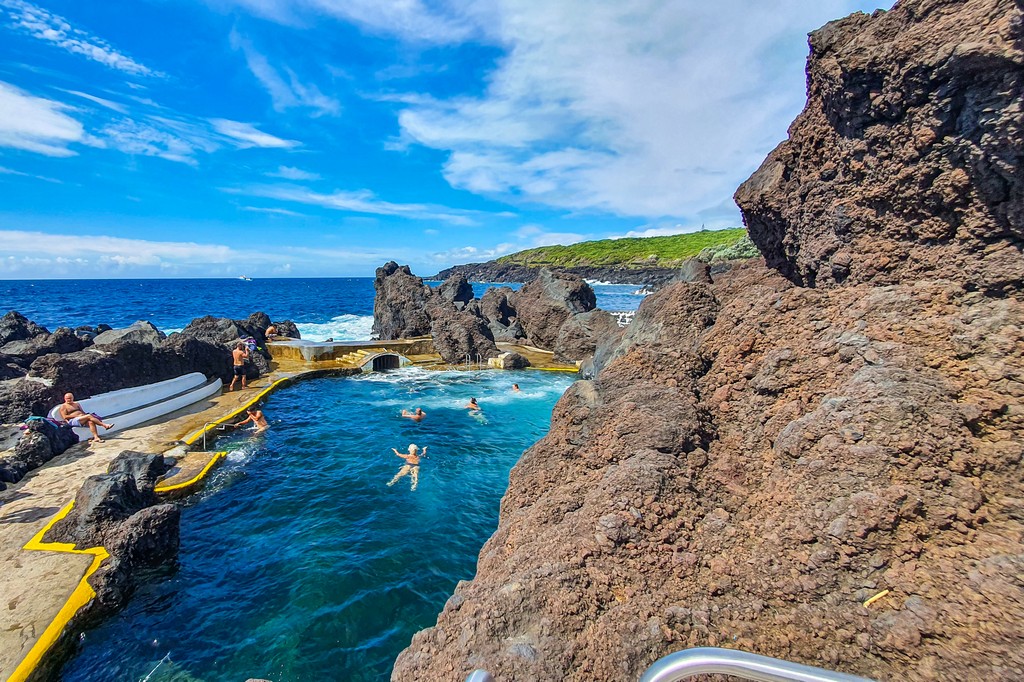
340, 328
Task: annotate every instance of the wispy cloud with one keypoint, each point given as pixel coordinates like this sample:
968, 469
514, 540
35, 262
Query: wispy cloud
284, 87
114, 106
290, 173
361, 201
36, 124
659, 231
143, 138
413, 20
247, 135
273, 211
44, 25
471, 254
30, 253
11, 171
646, 108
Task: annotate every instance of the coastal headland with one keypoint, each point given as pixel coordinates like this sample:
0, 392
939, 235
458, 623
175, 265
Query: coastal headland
816, 456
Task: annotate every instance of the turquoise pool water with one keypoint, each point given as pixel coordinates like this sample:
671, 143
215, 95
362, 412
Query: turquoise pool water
298, 562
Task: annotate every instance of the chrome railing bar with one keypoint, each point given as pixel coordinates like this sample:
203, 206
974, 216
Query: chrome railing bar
707, 660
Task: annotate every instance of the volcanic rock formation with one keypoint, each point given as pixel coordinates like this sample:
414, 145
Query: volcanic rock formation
556, 311
37, 367
757, 460
120, 512
906, 161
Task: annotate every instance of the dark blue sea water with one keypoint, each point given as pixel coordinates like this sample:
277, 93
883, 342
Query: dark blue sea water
298, 562
338, 308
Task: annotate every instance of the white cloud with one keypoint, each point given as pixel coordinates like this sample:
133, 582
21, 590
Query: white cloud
414, 20
36, 124
247, 135
11, 171
115, 106
467, 254
15, 242
360, 201
645, 108
290, 173
286, 91
44, 25
137, 137
37, 254
273, 211
660, 231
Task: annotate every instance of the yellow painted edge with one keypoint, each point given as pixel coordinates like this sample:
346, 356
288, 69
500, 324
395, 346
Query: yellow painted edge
217, 457
81, 596
84, 593
878, 596
574, 370
259, 396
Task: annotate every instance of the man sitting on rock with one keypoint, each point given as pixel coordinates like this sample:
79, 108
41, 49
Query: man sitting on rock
73, 414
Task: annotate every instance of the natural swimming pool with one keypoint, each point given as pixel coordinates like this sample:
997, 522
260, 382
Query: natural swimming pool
298, 562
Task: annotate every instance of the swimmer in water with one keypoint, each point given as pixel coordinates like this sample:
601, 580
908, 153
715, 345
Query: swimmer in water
472, 404
412, 465
416, 416
515, 388
257, 418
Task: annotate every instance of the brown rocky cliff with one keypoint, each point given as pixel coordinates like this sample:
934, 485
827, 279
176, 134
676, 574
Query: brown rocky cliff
756, 459
906, 161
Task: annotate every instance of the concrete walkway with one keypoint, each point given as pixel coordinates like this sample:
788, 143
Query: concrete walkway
35, 585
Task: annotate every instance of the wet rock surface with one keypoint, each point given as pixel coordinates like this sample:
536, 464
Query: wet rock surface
755, 459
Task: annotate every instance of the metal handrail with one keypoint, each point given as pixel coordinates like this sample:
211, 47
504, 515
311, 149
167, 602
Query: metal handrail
710, 660
706, 660
206, 429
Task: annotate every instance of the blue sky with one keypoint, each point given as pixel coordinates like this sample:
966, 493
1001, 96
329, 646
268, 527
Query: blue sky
275, 138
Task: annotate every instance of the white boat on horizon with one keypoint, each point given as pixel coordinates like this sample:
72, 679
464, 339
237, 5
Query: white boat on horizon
244, 278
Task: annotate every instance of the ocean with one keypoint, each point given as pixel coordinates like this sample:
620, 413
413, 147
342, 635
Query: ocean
322, 308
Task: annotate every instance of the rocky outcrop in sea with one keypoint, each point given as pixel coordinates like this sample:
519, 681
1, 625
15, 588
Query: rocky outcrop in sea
818, 460
555, 311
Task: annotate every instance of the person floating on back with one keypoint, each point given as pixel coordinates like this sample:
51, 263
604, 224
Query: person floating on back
238, 357
412, 465
73, 414
257, 418
417, 415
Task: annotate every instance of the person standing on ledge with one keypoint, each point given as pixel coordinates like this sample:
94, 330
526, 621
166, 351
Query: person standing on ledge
412, 465
416, 416
73, 414
238, 357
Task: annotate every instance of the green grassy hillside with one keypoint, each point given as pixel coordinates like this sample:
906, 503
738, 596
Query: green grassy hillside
638, 252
